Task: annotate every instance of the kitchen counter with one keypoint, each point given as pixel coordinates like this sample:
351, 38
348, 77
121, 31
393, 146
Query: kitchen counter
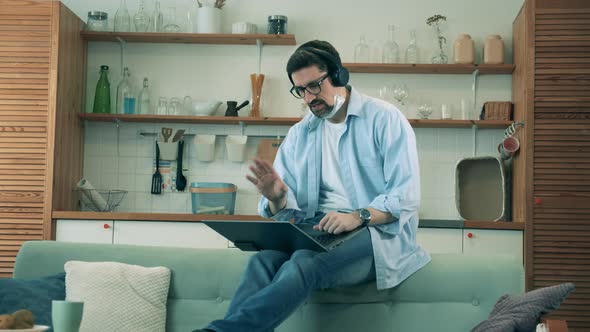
185, 217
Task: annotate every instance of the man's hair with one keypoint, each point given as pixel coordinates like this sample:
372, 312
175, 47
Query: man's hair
302, 58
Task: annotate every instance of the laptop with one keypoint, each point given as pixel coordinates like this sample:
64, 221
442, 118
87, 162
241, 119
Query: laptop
277, 235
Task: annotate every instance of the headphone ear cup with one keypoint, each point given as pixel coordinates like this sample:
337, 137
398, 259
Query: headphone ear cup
340, 76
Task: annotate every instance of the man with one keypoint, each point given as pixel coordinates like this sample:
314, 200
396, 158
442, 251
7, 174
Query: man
353, 153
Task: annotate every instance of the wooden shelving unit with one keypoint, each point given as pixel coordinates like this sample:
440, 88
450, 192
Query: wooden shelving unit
226, 120
273, 121
187, 217
189, 38
448, 69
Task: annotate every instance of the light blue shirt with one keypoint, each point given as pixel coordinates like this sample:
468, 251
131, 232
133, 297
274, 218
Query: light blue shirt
378, 161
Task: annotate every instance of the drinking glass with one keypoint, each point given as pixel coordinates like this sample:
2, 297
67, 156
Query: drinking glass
170, 21
162, 107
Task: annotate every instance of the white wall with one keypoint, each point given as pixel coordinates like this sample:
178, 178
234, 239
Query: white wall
222, 72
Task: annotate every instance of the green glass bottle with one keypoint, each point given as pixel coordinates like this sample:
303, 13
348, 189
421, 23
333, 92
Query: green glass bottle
102, 98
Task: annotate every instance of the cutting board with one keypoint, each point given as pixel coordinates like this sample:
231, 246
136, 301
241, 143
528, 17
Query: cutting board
267, 149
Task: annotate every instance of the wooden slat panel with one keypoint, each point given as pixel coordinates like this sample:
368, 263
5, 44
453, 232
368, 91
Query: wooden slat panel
561, 54
18, 196
557, 32
25, 57
22, 221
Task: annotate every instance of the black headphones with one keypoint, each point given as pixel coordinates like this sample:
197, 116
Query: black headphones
338, 74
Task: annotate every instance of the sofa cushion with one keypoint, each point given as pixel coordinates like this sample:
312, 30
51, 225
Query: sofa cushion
455, 292
523, 312
34, 295
119, 297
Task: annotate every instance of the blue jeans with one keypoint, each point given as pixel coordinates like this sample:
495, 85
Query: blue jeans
275, 283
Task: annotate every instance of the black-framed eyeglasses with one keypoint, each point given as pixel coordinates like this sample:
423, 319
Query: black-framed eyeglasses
314, 88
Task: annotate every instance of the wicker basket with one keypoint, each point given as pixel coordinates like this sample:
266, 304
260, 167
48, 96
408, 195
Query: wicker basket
497, 110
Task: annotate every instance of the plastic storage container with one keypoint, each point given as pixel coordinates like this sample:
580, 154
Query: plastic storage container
482, 189
277, 25
213, 197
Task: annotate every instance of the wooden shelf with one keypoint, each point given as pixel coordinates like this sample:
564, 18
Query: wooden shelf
181, 217
276, 121
189, 38
507, 225
188, 119
187, 217
402, 68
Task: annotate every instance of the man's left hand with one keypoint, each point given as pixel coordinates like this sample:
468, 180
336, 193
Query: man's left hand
337, 222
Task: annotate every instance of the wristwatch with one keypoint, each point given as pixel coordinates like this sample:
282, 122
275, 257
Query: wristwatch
365, 216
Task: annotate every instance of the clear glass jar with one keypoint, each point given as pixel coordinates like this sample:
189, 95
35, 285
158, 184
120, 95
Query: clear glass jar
97, 21
162, 106
277, 25
175, 106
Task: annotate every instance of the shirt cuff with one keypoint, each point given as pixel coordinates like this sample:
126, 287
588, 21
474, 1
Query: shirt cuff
390, 205
284, 214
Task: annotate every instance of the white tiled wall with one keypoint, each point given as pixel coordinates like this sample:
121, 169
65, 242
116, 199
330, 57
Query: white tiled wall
128, 164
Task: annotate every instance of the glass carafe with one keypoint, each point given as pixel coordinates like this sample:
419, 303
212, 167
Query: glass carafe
171, 24
412, 50
102, 97
143, 99
125, 97
390, 52
362, 51
141, 19
122, 18
157, 22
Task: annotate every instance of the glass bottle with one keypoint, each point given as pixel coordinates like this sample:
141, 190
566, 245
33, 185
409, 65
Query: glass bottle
141, 19
102, 98
362, 51
122, 18
143, 98
171, 25
157, 22
412, 50
125, 98
390, 48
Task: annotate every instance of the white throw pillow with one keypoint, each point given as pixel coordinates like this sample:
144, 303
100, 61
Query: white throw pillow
119, 297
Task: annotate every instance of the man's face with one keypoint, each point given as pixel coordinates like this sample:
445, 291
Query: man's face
322, 103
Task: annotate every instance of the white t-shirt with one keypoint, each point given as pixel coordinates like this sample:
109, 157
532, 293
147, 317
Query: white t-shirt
332, 193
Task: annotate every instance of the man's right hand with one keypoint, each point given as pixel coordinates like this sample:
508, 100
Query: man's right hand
269, 184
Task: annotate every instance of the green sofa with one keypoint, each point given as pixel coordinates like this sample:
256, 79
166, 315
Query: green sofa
452, 293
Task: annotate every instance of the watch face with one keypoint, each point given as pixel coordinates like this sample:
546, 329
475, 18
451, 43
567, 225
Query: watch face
365, 214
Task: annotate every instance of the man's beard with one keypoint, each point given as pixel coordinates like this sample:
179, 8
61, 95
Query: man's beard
324, 109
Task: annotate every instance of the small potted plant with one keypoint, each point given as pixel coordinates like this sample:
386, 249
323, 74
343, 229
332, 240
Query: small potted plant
436, 22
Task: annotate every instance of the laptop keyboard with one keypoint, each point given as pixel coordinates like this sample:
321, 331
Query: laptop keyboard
325, 239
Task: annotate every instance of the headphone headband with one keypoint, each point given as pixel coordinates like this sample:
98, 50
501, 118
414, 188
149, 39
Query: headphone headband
338, 74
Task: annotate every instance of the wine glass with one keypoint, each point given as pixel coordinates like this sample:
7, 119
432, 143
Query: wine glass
400, 93
425, 110
386, 93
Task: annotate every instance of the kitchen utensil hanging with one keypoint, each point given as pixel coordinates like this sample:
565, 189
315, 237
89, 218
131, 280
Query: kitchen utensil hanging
180, 178
157, 177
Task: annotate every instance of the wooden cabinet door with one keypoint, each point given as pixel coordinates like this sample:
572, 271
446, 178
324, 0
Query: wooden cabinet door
25, 49
490, 242
84, 231
168, 234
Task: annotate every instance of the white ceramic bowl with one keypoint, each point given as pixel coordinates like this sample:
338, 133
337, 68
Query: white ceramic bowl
205, 108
